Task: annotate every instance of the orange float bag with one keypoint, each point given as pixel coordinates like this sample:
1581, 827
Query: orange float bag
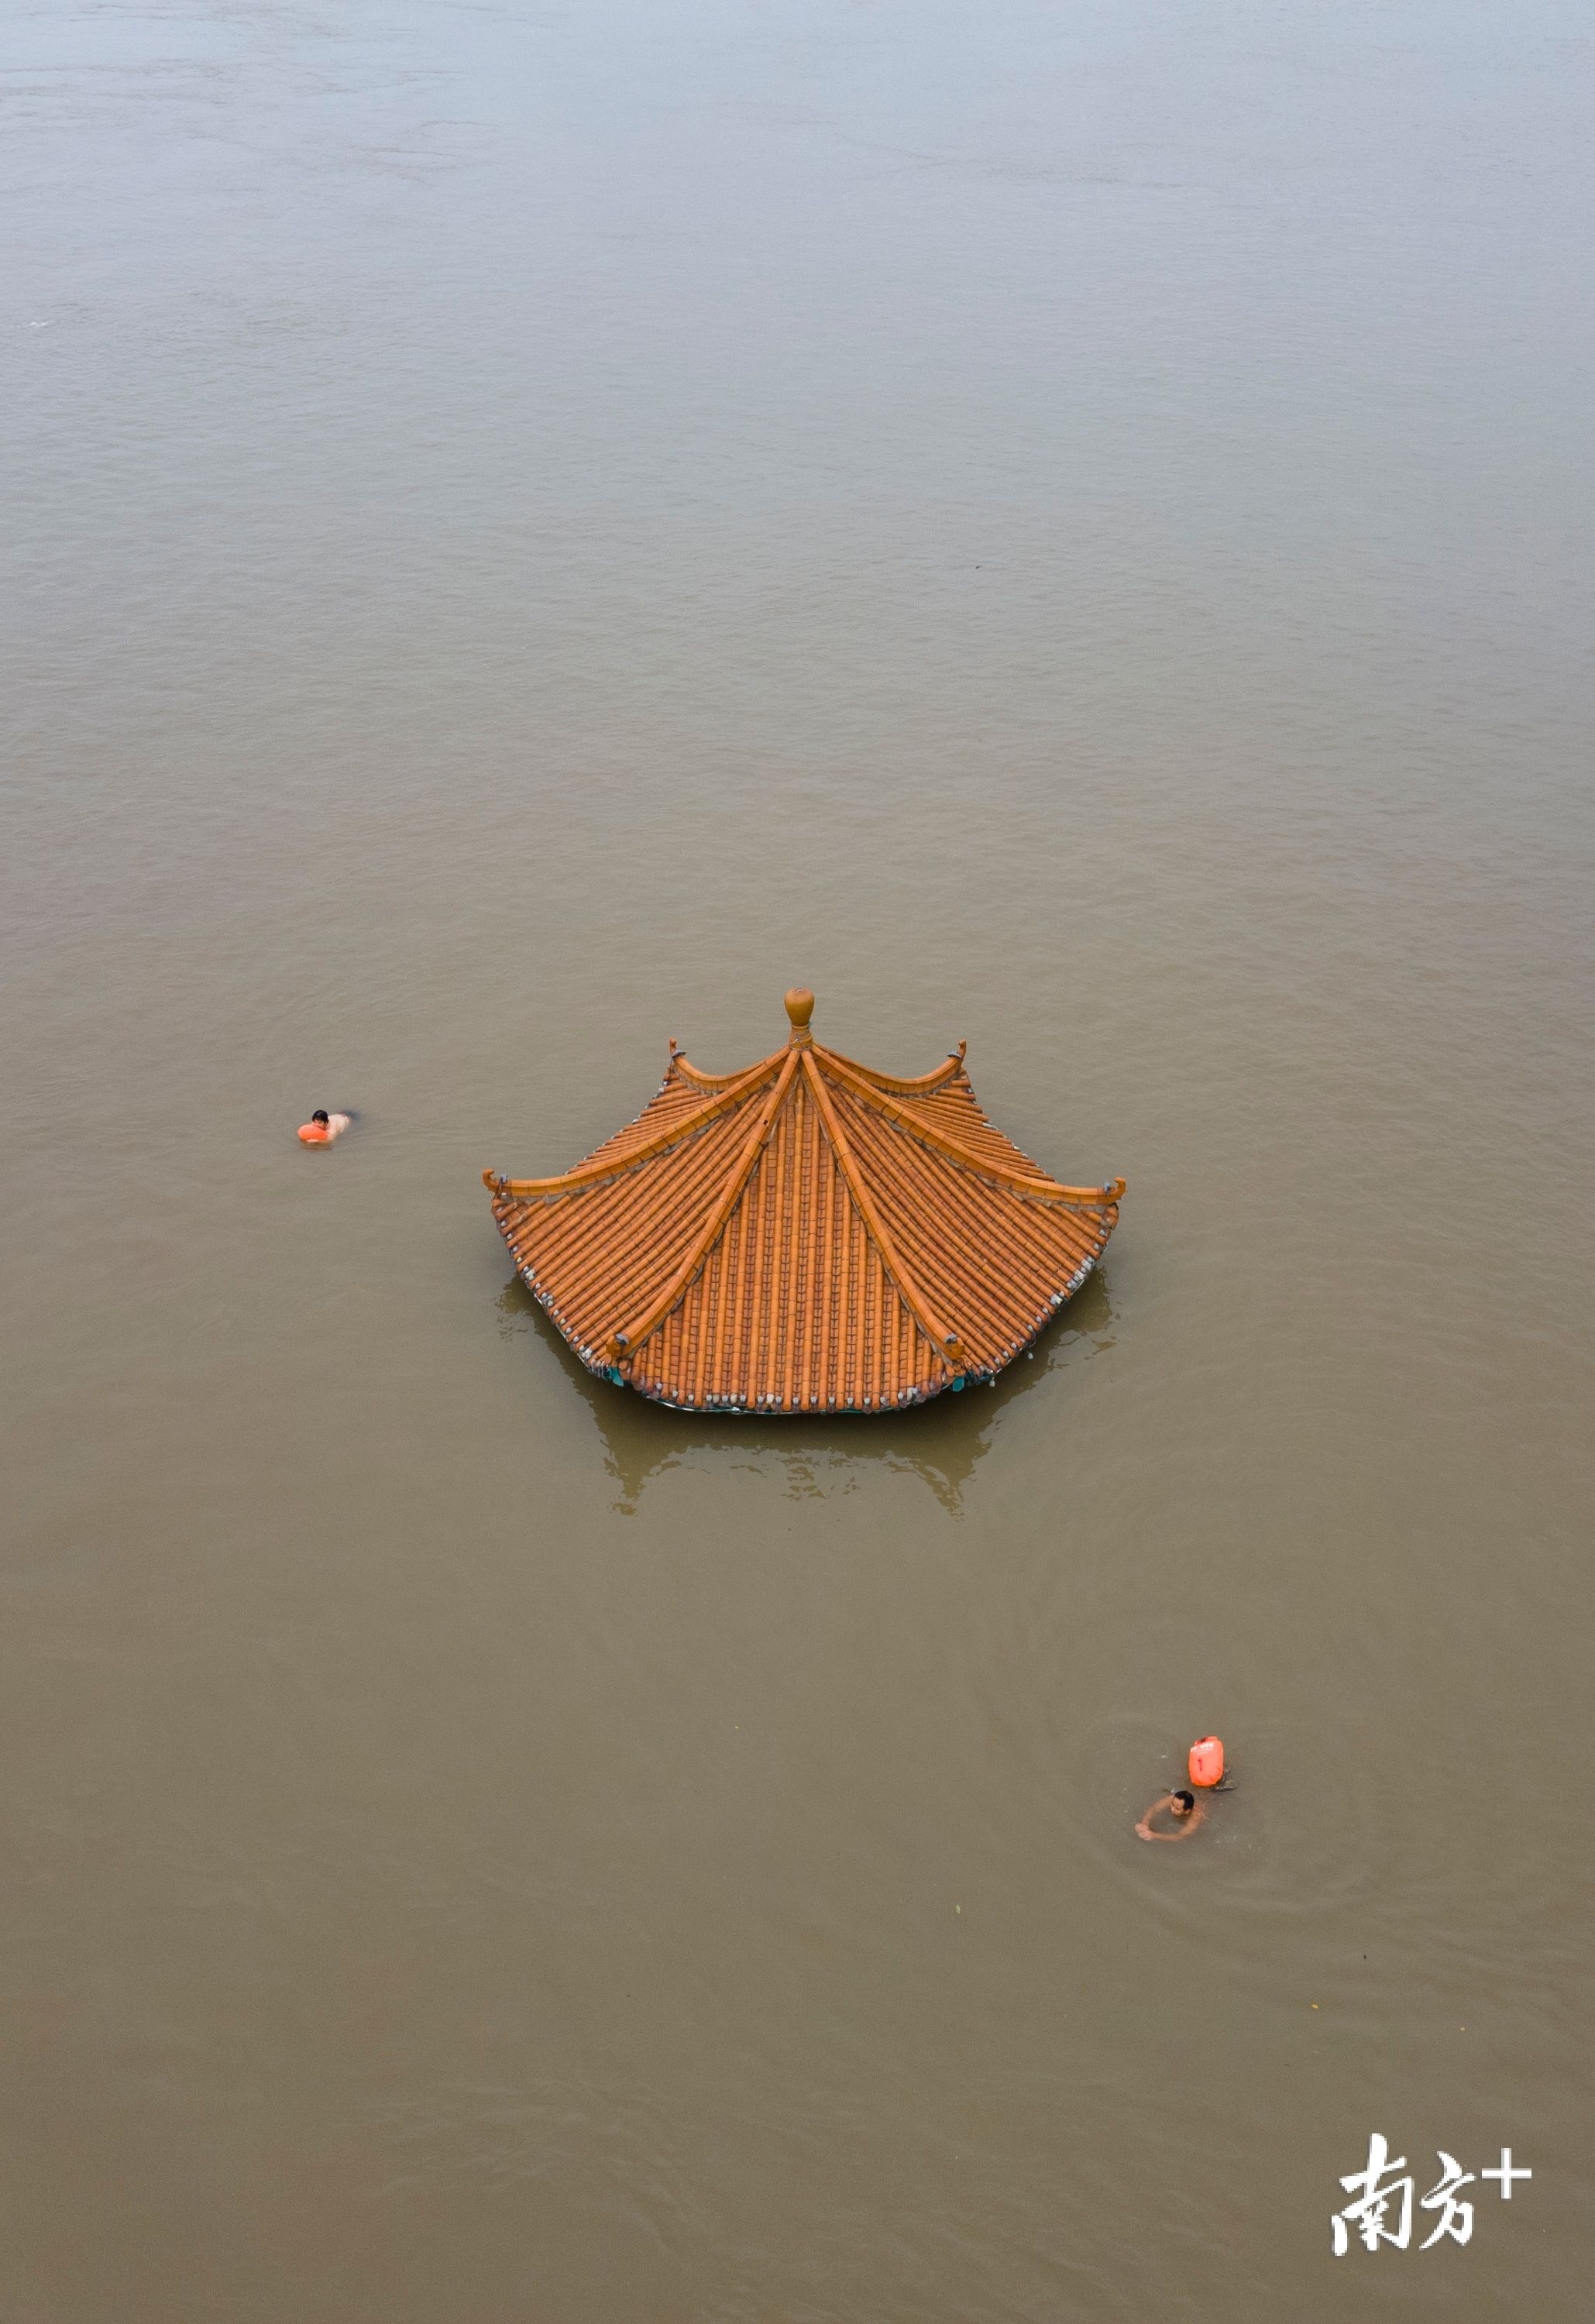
1206, 1762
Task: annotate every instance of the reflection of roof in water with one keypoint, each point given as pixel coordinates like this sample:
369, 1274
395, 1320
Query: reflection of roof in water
814, 1457
805, 1236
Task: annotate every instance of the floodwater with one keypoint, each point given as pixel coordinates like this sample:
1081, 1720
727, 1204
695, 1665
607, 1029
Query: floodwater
529, 530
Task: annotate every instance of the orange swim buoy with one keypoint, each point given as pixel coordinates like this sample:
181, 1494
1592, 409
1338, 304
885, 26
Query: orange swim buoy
315, 1133
1206, 1762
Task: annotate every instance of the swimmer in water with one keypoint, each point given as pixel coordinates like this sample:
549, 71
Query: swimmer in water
322, 1128
1182, 1806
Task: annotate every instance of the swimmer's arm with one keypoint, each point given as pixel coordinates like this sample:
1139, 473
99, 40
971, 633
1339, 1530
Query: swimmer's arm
338, 1123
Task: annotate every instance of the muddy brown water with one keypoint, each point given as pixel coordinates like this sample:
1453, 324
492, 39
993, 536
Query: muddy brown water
529, 531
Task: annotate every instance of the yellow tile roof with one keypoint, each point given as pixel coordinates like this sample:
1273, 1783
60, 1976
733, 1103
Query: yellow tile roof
807, 1236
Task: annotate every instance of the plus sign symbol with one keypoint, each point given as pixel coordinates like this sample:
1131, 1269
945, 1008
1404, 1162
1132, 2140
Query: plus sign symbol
1507, 2173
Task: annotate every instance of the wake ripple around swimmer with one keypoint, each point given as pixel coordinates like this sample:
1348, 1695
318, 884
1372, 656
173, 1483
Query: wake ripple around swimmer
1298, 1837
1319, 1859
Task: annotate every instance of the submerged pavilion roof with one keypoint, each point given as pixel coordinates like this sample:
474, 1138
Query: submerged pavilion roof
805, 1236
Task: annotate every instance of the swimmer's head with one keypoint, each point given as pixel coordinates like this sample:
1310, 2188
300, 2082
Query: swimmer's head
320, 1117
1182, 1803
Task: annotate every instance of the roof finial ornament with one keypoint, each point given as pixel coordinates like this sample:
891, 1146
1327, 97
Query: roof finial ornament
799, 1009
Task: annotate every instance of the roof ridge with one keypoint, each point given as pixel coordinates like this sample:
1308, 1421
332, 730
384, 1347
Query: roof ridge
1029, 1182
627, 1343
947, 1344
920, 1084
696, 1077
591, 1173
